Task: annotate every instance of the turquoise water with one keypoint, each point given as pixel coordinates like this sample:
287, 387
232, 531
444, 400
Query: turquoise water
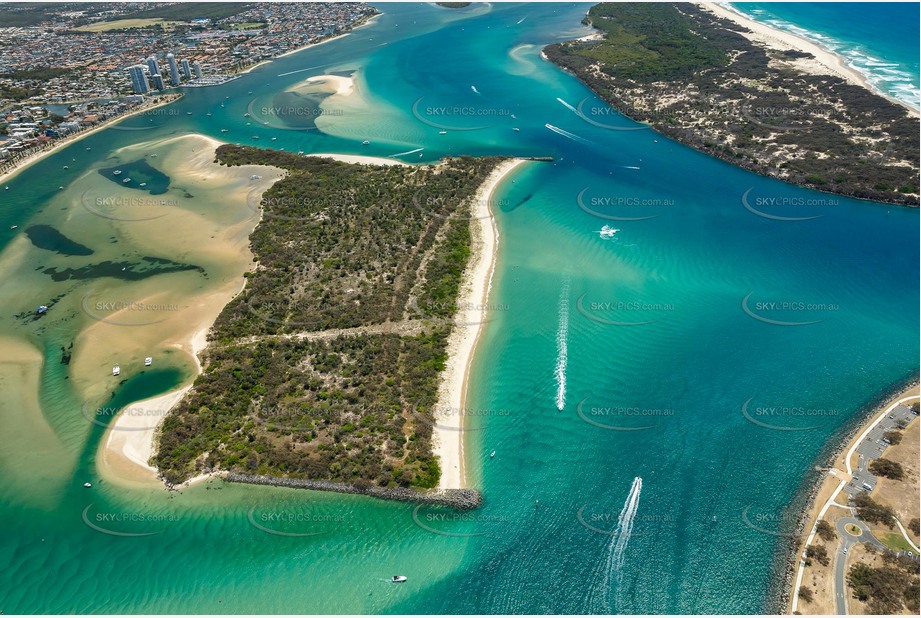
880, 39
642, 339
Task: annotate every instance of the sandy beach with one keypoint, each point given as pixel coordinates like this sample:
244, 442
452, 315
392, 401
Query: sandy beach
448, 435
220, 236
360, 159
824, 63
64, 141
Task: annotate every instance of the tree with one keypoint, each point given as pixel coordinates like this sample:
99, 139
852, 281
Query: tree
873, 512
894, 437
889, 469
825, 531
818, 553
805, 593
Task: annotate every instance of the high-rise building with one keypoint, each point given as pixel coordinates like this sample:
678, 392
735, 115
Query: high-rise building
196, 66
157, 81
185, 69
173, 69
138, 79
153, 65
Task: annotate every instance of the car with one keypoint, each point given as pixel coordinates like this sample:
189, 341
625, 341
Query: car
844, 551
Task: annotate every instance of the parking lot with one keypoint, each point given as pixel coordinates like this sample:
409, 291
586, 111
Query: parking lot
872, 447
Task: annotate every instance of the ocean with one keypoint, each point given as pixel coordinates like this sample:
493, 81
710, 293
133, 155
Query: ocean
879, 39
657, 399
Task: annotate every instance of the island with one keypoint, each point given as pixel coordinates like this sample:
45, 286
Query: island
701, 75
324, 372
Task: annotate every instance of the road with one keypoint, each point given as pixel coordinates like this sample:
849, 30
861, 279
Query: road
841, 558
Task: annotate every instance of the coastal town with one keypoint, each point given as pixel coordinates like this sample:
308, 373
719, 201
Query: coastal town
66, 68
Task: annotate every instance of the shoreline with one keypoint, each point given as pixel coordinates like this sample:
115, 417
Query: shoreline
74, 138
130, 439
829, 483
832, 63
448, 437
360, 24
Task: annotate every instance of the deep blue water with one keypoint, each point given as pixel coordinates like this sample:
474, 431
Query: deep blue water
878, 38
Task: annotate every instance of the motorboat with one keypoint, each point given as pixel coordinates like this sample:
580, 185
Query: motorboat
117, 173
493, 454
148, 361
607, 231
398, 579
116, 370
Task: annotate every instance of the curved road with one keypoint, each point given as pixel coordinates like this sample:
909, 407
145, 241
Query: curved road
841, 558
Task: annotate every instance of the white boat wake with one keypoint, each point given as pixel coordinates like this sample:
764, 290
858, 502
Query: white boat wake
562, 346
615, 559
569, 107
569, 135
400, 154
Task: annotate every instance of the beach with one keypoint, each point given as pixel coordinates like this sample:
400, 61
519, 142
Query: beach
448, 435
219, 233
826, 495
824, 63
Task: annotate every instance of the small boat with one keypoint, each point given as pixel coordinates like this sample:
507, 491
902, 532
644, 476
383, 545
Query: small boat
61, 187
154, 155
274, 138
255, 137
224, 130
442, 133
65, 167
116, 370
398, 579
607, 231
87, 485
126, 180
117, 173
493, 454
13, 227
365, 143
209, 113
246, 115
148, 361
188, 113
143, 184
514, 116
516, 129
89, 148
41, 309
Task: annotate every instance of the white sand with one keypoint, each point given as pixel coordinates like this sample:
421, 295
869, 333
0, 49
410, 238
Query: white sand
448, 435
825, 62
361, 159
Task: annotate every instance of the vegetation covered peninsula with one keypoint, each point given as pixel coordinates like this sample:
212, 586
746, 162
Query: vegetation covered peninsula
694, 77
326, 366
